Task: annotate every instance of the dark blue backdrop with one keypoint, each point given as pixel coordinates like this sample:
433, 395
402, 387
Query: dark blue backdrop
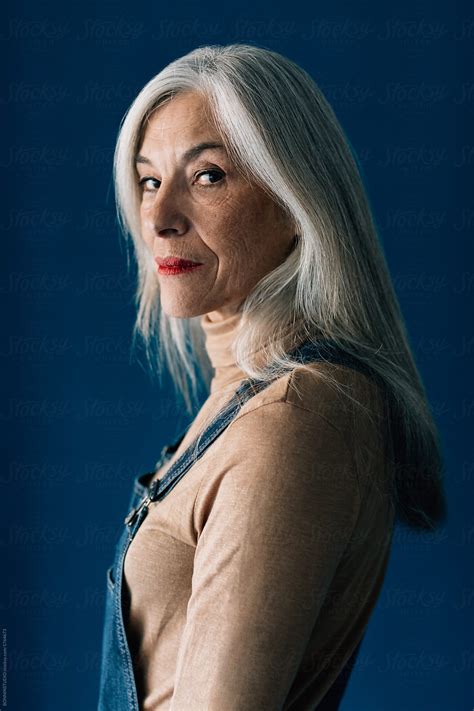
79, 420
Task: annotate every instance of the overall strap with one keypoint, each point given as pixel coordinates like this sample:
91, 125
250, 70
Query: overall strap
161, 487
326, 350
171, 448
308, 352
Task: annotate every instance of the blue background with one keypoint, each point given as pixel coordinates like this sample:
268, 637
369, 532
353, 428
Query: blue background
80, 419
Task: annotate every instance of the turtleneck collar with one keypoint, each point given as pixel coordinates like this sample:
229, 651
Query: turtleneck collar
219, 336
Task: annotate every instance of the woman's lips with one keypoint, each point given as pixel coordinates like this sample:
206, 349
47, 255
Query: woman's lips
177, 270
174, 265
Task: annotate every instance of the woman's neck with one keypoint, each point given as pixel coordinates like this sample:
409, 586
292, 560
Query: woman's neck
220, 335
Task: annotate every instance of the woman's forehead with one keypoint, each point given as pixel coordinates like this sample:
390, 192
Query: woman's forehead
182, 121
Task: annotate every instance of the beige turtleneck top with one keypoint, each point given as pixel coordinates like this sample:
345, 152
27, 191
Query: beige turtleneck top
253, 580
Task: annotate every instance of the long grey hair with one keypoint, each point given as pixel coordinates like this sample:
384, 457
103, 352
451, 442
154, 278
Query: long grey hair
281, 132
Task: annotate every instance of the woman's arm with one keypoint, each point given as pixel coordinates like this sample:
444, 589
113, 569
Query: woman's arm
273, 524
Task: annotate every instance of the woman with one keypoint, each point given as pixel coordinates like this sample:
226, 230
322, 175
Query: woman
254, 553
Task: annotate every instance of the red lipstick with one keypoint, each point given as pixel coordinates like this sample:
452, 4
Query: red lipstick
175, 265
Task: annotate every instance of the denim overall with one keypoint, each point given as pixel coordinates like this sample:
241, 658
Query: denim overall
117, 684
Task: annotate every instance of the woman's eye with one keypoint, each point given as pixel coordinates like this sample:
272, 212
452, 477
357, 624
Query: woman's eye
212, 173
144, 181
211, 177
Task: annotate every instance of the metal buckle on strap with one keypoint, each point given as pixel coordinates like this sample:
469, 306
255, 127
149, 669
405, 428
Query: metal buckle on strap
142, 507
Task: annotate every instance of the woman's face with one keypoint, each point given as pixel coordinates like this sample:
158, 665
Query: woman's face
203, 210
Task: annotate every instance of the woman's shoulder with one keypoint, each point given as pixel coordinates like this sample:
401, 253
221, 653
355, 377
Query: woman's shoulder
336, 393
323, 412
296, 443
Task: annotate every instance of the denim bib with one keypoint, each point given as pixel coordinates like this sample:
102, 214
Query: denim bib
117, 690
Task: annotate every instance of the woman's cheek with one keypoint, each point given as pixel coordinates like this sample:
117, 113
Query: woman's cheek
146, 238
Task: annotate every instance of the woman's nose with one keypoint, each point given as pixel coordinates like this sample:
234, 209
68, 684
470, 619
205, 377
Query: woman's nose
166, 217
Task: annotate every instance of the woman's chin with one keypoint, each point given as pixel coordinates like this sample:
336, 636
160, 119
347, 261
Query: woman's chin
181, 310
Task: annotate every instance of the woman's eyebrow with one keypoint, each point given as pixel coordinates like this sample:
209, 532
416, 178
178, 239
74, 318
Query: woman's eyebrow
188, 155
